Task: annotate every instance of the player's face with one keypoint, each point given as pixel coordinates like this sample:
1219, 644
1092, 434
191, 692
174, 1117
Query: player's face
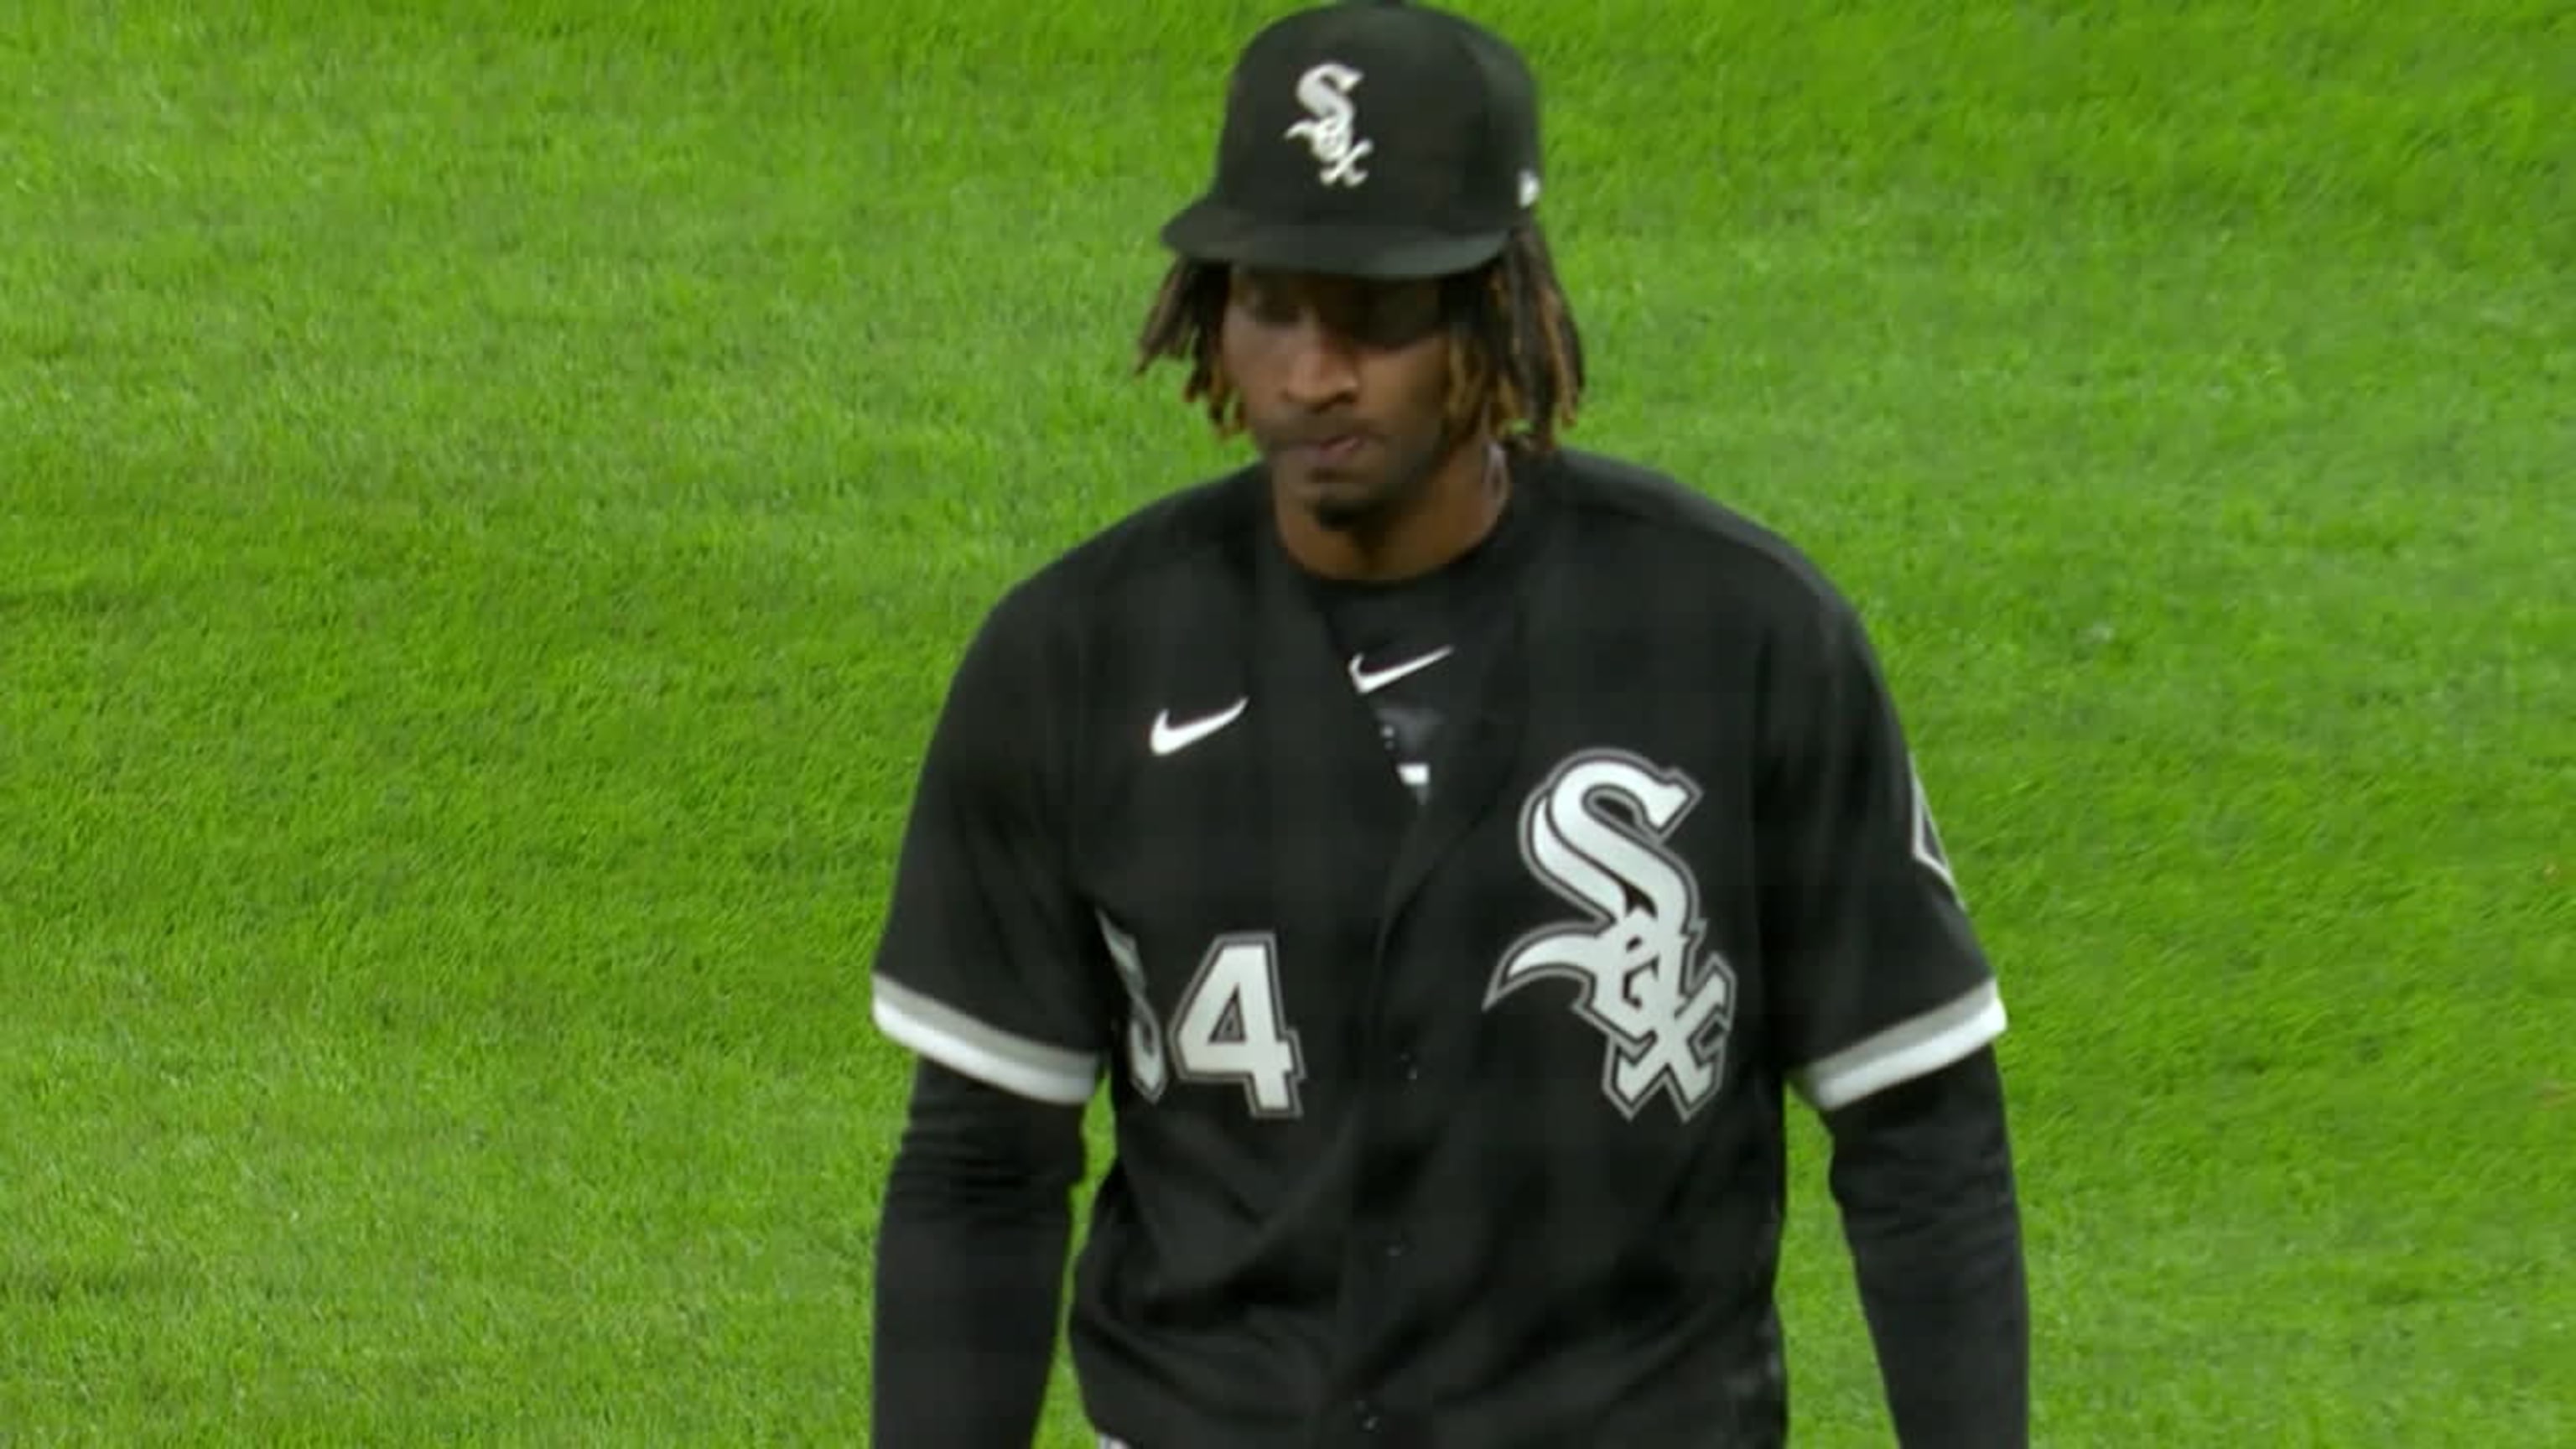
1343, 383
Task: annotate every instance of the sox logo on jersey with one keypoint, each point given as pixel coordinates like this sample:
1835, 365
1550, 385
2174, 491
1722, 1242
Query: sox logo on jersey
1595, 832
1325, 92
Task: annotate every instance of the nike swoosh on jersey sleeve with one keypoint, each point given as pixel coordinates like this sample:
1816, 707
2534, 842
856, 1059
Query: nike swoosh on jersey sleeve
1907, 1050
997, 1058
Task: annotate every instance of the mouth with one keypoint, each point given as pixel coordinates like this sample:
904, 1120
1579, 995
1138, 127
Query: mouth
1329, 451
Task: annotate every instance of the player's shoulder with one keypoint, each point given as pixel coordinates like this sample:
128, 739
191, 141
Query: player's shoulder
1177, 544
1647, 522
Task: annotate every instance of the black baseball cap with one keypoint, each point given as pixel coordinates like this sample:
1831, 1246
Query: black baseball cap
1370, 140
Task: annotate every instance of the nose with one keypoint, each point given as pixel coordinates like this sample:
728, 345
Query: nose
1323, 367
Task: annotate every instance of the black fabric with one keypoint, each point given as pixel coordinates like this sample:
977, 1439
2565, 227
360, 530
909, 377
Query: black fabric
1455, 1123
1858, 903
970, 1259
1443, 622
983, 920
1924, 1177
1369, 141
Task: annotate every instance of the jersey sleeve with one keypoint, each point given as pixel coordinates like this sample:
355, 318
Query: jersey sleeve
982, 966
1877, 976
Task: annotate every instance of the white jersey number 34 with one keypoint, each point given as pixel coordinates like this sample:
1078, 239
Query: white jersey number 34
1227, 1028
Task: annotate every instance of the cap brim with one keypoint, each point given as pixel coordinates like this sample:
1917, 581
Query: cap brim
1210, 231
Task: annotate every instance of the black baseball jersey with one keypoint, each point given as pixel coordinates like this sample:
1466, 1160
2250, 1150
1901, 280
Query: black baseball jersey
1448, 1088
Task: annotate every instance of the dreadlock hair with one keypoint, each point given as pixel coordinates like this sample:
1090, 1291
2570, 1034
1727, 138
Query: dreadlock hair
1515, 354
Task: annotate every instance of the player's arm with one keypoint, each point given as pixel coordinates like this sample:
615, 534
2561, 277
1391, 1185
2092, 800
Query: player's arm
1886, 1015
986, 973
1923, 1173
969, 1265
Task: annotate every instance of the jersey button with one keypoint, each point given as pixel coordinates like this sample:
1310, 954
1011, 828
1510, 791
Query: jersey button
1408, 1067
1397, 1245
1366, 1415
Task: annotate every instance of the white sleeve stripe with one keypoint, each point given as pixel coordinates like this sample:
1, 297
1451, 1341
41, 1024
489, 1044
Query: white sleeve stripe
996, 1058
1901, 1053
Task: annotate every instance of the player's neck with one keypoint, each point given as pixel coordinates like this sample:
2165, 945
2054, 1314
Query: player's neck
1452, 515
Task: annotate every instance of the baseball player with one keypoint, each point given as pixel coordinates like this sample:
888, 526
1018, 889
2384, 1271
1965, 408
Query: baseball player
1451, 850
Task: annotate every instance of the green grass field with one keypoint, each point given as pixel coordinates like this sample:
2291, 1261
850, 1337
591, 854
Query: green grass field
490, 494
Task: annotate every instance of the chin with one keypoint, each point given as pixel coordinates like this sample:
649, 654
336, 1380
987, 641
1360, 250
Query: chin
1340, 515
1338, 502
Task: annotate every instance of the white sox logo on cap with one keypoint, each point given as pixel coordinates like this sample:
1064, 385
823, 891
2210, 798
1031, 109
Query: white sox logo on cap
1325, 92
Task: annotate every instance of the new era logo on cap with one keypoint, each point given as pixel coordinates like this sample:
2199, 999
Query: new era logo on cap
1369, 140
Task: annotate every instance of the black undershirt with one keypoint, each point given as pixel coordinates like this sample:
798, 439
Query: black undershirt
1381, 628
970, 1260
